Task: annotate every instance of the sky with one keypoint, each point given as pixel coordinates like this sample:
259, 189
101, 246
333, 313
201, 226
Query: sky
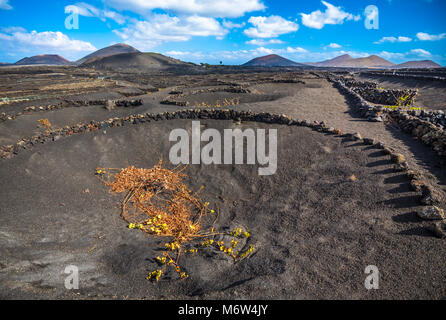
230, 31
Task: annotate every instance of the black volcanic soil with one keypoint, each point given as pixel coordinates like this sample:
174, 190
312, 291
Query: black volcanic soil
315, 230
310, 242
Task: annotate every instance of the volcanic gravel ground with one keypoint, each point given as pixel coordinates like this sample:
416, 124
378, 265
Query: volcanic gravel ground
315, 230
310, 241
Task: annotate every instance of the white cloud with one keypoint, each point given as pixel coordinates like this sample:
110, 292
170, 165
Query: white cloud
185, 55
5, 37
269, 27
178, 53
421, 53
5, 5
393, 39
87, 10
261, 42
248, 54
13, 29
114, 16
391, 55
47, 42
232, 25
208, 8
235, 55
334, 46
296, 50
81, 10
415, 53
429, 37
164, 28
50, 40
332, 15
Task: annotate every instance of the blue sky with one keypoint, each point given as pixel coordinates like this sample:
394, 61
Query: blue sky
232, 31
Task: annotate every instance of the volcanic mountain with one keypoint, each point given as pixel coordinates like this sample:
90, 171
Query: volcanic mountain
341, 60
423, 64
109, 51
44, 59
272, 60
347, 61
136, 62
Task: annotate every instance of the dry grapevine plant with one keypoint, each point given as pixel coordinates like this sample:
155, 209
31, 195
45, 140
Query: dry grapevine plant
158, 203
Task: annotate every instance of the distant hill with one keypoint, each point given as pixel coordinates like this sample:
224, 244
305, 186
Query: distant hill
424, 64
272, 60
44, 59
109, 51
372, 61
347, 61
136, 62
338, 61
4, 64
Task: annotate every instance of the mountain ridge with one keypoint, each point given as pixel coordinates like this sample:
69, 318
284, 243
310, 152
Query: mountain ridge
421, 64
136, 62
272, 60
109, 51
342, 61
43, 59
347, 61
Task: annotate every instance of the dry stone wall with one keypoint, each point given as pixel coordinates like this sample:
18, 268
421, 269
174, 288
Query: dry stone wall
371, 92
418, 124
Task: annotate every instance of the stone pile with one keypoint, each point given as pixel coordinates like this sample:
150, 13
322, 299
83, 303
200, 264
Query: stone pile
4, 116
170, 101
437, 117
